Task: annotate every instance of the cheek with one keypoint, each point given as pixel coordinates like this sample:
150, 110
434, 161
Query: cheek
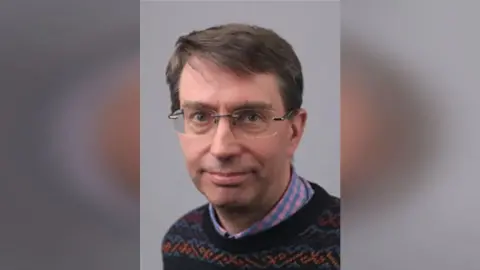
285, 145
268, 150
192, 151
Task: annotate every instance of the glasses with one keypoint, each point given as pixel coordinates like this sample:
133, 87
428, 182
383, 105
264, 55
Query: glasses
246, 123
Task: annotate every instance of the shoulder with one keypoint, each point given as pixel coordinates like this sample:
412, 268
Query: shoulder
326, 228
190, 221
331, 214
333, 204
329, 205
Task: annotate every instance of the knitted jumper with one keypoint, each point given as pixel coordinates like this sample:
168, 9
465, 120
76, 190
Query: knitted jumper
309, 239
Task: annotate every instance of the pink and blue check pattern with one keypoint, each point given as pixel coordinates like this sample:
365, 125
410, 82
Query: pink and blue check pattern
297, 195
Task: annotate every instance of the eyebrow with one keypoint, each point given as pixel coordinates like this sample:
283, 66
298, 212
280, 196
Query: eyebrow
245, 105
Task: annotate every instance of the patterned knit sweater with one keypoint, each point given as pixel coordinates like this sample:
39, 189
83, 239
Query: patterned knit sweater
310, 239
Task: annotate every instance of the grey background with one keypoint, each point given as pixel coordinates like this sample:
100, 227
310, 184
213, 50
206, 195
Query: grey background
47, 49
313, 28
437, 225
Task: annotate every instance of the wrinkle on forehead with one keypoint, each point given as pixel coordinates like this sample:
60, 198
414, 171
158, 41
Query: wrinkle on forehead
204, 81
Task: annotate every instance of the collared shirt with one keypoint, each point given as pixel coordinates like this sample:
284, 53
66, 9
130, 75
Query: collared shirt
298, 193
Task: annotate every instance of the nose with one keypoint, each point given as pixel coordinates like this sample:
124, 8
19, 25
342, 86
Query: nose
224, 144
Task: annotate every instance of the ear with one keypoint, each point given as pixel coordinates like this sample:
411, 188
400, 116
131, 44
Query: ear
297, 127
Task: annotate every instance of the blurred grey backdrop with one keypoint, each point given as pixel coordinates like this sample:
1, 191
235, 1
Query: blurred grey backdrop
49, 218
435, 224
313, 28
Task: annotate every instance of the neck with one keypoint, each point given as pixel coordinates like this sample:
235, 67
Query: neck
236, 220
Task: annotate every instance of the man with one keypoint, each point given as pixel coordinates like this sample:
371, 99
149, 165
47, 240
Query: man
236, 93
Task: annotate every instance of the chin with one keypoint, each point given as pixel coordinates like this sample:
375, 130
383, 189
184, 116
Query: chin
220, 202
227, 201
223, 196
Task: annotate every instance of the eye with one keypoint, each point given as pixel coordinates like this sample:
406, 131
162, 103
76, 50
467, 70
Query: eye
249, 116
198, 116
252, 117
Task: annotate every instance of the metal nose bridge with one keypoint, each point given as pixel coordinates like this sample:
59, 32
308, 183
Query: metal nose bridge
231, 117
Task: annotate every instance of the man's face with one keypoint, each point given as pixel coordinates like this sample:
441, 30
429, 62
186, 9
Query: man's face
231, 170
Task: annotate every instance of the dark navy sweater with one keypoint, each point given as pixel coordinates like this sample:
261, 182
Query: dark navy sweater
310, 239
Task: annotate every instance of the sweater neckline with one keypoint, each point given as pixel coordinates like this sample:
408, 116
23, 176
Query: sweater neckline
288, 229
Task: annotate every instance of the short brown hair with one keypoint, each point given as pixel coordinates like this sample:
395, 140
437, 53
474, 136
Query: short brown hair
243, 50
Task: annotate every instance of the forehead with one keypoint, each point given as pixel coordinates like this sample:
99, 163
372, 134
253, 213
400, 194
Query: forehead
203, 82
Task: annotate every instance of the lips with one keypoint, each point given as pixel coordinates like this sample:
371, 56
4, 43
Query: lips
228, 178
230, 174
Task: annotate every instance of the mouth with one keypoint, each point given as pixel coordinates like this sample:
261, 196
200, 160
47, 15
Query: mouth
228, 178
